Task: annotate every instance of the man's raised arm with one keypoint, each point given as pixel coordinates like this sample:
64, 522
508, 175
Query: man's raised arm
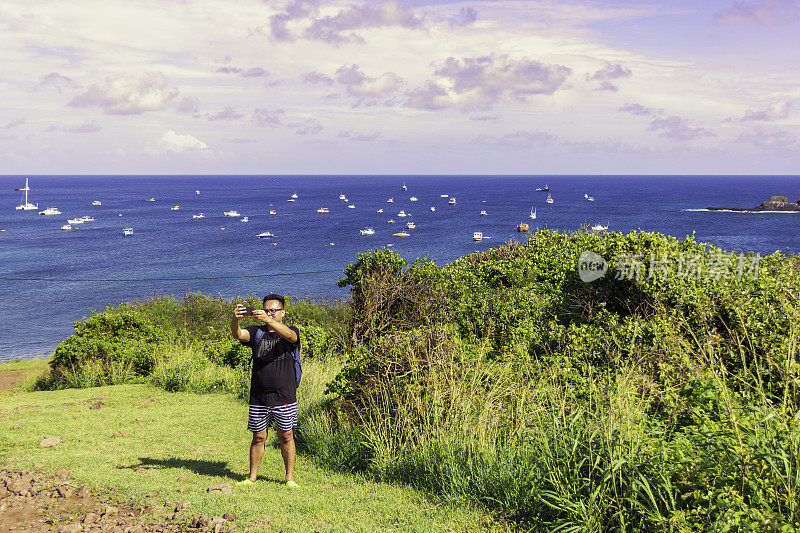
238, 333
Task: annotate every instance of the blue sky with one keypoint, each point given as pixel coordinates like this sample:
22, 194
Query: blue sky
412, 86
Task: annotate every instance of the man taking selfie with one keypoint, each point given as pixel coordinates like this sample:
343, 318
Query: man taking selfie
273, 385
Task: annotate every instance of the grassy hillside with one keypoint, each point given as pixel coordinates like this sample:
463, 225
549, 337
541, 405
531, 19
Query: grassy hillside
660, 396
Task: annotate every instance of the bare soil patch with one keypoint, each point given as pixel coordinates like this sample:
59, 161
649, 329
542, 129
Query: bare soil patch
36, 501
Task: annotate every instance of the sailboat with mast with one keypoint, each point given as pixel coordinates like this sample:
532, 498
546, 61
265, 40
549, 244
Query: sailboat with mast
26, 205
533, 213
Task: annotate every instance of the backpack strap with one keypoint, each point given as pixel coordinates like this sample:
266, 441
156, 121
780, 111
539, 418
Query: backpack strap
298, 366
260, 332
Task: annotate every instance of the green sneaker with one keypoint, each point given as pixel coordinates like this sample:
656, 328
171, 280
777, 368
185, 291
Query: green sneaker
292, 484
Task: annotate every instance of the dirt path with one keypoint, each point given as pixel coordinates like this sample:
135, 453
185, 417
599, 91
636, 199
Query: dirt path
35, 501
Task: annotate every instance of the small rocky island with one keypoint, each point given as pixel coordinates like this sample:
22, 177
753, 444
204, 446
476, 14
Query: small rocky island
775, 203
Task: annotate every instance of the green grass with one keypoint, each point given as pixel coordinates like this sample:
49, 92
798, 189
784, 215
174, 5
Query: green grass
205, 437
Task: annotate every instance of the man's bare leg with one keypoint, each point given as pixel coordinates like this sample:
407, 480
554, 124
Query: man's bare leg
257, 453
286, 441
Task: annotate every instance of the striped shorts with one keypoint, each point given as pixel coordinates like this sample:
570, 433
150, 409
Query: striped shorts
283, 417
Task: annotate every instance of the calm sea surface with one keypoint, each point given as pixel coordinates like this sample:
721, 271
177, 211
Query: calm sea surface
50, 278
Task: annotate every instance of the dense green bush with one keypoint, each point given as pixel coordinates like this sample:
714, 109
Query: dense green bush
662, 396
181, 345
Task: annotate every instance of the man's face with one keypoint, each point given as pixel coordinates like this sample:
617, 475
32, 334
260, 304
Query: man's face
274, 309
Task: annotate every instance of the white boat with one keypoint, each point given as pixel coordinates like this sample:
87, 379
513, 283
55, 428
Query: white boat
410, 225
323, 210
197, 192
368, 231
342, 197
199, 215
127, 231
245, 219
175, 208
294, 195
87, 218
543, 189
291, 200
413, 198
150, 200
402, 214
599, 227
484, 213
265, 235
433, 208
390, 201
232, 213
66, 227
391, 221
26, 205
97, 202
444, 195
75, 221
404, 187
477, 236
273, 212
380, 210
50, 211
351, 206
533, 213
590, 198
549, 199
452, 201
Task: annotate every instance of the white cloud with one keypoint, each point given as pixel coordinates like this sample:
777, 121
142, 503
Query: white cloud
768, 137
14, 123
129, 96
678, 129
229, 113
518, 139
57, 81
265, 117
311, 126
181, 142
341, 27
363, 137
774, 111
480, 82
760, 13
359, 84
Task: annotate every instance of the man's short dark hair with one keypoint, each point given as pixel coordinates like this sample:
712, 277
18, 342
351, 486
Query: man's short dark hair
274, 297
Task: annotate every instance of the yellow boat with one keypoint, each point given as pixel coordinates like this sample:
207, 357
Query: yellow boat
401, 234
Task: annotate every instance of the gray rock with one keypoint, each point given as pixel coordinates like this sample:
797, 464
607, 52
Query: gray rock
110, 510
49, 442
90, 518
222, 488
19, 486
185, 504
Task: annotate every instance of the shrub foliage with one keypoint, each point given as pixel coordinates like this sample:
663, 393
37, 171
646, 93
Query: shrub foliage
660, 396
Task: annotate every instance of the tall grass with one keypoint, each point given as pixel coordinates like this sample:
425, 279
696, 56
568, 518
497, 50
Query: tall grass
187, 369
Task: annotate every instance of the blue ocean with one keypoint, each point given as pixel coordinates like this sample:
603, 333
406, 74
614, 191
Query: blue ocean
49, 277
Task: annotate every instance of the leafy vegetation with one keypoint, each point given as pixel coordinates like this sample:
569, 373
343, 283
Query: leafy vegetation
180, 345
660, 396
